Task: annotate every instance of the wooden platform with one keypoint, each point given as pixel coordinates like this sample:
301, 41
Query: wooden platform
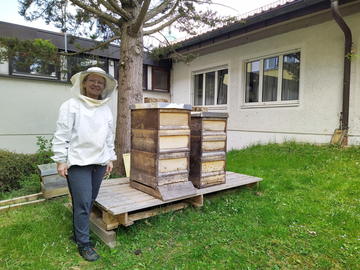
120, 204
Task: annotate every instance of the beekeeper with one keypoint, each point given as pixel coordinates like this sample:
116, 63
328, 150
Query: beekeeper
83, 147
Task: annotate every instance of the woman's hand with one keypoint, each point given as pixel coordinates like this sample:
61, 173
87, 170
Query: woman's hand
109, 167
62, 169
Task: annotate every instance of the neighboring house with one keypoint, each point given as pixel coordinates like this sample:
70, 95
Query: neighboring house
279, 74
31, 98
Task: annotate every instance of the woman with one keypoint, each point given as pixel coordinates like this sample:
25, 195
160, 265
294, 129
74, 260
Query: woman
83, 147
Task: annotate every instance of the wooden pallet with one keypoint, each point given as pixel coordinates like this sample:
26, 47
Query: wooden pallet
120, 204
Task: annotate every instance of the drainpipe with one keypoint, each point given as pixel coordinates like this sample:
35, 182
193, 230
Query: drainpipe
348, 43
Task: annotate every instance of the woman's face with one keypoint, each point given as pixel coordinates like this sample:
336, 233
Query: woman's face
94, 86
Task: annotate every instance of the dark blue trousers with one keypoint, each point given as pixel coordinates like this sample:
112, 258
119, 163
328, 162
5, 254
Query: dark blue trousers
84, 184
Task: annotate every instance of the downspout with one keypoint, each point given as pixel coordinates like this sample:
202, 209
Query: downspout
347, 64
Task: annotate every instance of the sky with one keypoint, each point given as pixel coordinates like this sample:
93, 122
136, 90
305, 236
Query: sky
9, 11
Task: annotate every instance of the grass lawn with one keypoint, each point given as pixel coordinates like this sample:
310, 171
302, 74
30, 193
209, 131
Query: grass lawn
304, 215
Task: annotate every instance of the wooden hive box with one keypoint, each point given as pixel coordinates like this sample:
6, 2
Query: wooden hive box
52, 184
160, 149
208, 148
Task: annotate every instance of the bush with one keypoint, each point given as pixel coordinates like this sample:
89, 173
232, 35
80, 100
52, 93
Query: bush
19, 171
13, 166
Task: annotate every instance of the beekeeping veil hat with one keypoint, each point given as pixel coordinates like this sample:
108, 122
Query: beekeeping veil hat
79, 92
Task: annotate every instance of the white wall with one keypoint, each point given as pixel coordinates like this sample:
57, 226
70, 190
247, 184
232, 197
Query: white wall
29, 108
316, 116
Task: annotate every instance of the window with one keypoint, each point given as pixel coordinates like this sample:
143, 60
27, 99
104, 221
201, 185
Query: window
81, 63
30, 65
210, 88
145, 79
272, 80
160, 79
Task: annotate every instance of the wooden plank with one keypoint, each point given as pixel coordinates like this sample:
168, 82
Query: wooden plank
173, 165
27, 198
51, 193
173, 132
176, 191
110, 220
115, 181
145, 188
214, 136
214, 145
168, 118
125, 220
197, 201
213, 166
141, 199
214, 125
230, 184
143, 162
144, 140
174, 142
158, 211
19, 205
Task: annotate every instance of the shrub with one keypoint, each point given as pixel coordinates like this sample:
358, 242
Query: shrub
13, 166
19, 171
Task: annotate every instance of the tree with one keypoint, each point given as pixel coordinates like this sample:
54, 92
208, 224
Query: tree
125, 21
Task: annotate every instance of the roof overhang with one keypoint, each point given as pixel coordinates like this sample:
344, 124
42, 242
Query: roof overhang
289, 17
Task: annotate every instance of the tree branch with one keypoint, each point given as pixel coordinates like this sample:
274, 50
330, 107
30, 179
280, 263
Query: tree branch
163, 17
108, 6
161, 27
140, 18
123, 13
96, 12
155, 11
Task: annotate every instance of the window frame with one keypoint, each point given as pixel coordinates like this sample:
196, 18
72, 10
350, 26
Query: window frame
33, 75
203, 72
153, 70
279, 102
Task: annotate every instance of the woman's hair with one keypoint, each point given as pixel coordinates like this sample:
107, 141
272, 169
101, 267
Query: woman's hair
84, 89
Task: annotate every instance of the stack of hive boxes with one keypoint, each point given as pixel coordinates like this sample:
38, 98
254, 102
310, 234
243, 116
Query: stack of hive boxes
52, 184
208, 148
160, 149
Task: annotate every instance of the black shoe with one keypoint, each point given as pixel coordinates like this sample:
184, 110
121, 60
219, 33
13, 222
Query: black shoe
88, 253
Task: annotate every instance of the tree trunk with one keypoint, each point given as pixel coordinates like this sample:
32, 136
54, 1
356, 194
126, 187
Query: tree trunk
130, 90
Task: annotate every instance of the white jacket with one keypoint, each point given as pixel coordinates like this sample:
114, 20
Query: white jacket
84, 131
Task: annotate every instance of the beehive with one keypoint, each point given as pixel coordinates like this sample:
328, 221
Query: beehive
208, 148
52, 184
160, 149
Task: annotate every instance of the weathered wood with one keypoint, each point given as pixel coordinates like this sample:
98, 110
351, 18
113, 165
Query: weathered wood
176, 191
174, 118
208, 148
52, 184
153, 169
49, 192
19, 205
125, 220
160, 146
158, 211
110, 220
214, 125
197, 201
167, 192
22, 199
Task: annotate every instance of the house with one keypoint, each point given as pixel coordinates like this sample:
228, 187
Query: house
31, 98
279, 74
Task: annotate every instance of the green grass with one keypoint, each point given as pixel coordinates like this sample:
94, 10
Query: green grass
307, 216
